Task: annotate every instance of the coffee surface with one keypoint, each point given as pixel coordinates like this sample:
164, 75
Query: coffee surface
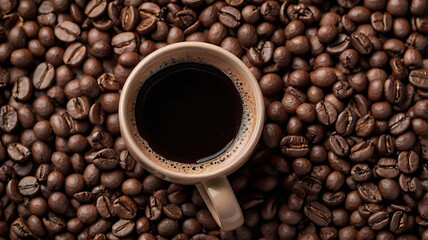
189, 112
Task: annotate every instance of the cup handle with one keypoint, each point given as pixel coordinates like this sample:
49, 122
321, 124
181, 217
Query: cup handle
221, 201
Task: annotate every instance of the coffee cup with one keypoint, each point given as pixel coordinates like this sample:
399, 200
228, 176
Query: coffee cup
209, 176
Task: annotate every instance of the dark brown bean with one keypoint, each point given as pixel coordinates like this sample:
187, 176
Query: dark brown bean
378, 220
75, 54
230, 16
369, 192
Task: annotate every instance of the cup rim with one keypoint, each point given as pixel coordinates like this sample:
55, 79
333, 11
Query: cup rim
126, 125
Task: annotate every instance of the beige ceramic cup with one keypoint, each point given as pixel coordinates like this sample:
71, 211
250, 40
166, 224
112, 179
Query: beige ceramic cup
210, 176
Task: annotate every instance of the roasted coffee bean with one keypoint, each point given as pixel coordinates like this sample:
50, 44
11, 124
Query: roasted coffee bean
367, 209
381, 22
126, 161
106, 159
99, 227
168, 227
63, 125
323, 77
87, 213
4, 77
54, 223
128, 59
251, 14
301, 12
294, 146
385, 145
398, 222
20, 228
75, 54
78, 107
389, 189
318, 213
378, 220
84, 196
419, 78
95, 8
123, 228
18, 152
28, 186
362, 151
8, 119
261, 54
419, 108
298, 45
309, 185
22, 89
365, 126
314, 135
55, 181
408, 184
205, 218
270, 10
67, 31
22, 58
247, 35
335, 181
338, 163
99, 139
386, 168
209, 16
12, 191
87, 86
125, 208
419, 125
58, 202
408, 162
394, 91
326, 113
338, 145
405, 141
346, 121
96, 114
361, 172
124, 42
369, 192
341, 43
160, 32
146, 25
277, 113
342, 89
361, 43
353, 201
129, 17
92, 67
186, 19
381, 110
172, 211
35, 225
43, 76
230, 16
9, 138
105, 207
333, 199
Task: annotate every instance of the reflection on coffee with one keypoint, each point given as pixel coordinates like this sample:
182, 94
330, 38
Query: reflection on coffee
189, 112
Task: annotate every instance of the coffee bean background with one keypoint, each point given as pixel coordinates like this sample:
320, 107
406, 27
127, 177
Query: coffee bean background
344, 151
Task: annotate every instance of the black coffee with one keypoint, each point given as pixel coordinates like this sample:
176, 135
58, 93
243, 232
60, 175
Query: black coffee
189, 112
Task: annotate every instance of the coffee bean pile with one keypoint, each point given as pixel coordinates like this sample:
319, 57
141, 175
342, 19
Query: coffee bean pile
344, 151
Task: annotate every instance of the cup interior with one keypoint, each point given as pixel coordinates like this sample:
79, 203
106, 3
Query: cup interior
251, 123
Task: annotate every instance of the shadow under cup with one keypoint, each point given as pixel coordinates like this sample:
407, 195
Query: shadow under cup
203, 174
